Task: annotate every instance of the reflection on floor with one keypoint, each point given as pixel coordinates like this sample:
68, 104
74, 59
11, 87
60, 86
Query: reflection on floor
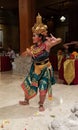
61, 113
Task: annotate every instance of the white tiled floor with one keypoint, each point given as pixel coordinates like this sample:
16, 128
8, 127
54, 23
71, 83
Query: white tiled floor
65, 98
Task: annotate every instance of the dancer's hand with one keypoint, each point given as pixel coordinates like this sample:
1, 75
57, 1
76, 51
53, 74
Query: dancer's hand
24, 53
27, 52
51, 42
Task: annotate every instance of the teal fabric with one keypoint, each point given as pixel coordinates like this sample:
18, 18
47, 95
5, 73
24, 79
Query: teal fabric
44, 80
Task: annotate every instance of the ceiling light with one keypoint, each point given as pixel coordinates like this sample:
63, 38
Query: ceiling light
63, 18
1, 7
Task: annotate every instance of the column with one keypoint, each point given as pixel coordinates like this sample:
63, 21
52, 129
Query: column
26, 21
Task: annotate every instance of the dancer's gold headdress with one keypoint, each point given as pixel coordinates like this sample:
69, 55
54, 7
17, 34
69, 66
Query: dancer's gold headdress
39, 27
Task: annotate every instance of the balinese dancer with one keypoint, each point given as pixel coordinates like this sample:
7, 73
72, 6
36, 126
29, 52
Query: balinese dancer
41, 75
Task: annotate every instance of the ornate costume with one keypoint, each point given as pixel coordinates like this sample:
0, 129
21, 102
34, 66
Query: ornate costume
41, 73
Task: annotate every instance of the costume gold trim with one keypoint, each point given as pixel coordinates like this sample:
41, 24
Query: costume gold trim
39, 27
69, 70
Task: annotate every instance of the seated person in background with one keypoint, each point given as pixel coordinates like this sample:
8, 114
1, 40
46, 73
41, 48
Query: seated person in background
11, 53
72, 48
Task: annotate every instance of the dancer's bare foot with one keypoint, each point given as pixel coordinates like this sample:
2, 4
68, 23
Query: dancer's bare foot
25, 102
41, 108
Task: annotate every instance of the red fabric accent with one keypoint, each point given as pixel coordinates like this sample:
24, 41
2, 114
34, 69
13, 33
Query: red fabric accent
43, 92
54, 61
5, 63
75, 81
34, 84
61, 72
26, 92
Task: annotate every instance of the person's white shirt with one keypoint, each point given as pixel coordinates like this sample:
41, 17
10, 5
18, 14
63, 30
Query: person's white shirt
11, 54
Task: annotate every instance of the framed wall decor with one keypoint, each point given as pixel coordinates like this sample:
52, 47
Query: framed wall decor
1, 38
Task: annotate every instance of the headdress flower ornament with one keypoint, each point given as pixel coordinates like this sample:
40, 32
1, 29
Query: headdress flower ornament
39, 27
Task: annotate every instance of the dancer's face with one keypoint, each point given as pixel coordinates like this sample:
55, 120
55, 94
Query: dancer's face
36, 38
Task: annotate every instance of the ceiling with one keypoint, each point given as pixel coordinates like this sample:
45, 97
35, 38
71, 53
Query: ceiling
9, 4
45, 7
9, 12
54, 7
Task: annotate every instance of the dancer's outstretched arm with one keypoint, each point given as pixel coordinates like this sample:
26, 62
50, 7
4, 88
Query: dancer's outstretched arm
52, 41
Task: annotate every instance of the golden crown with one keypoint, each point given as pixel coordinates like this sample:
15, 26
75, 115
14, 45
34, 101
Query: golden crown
39, 27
